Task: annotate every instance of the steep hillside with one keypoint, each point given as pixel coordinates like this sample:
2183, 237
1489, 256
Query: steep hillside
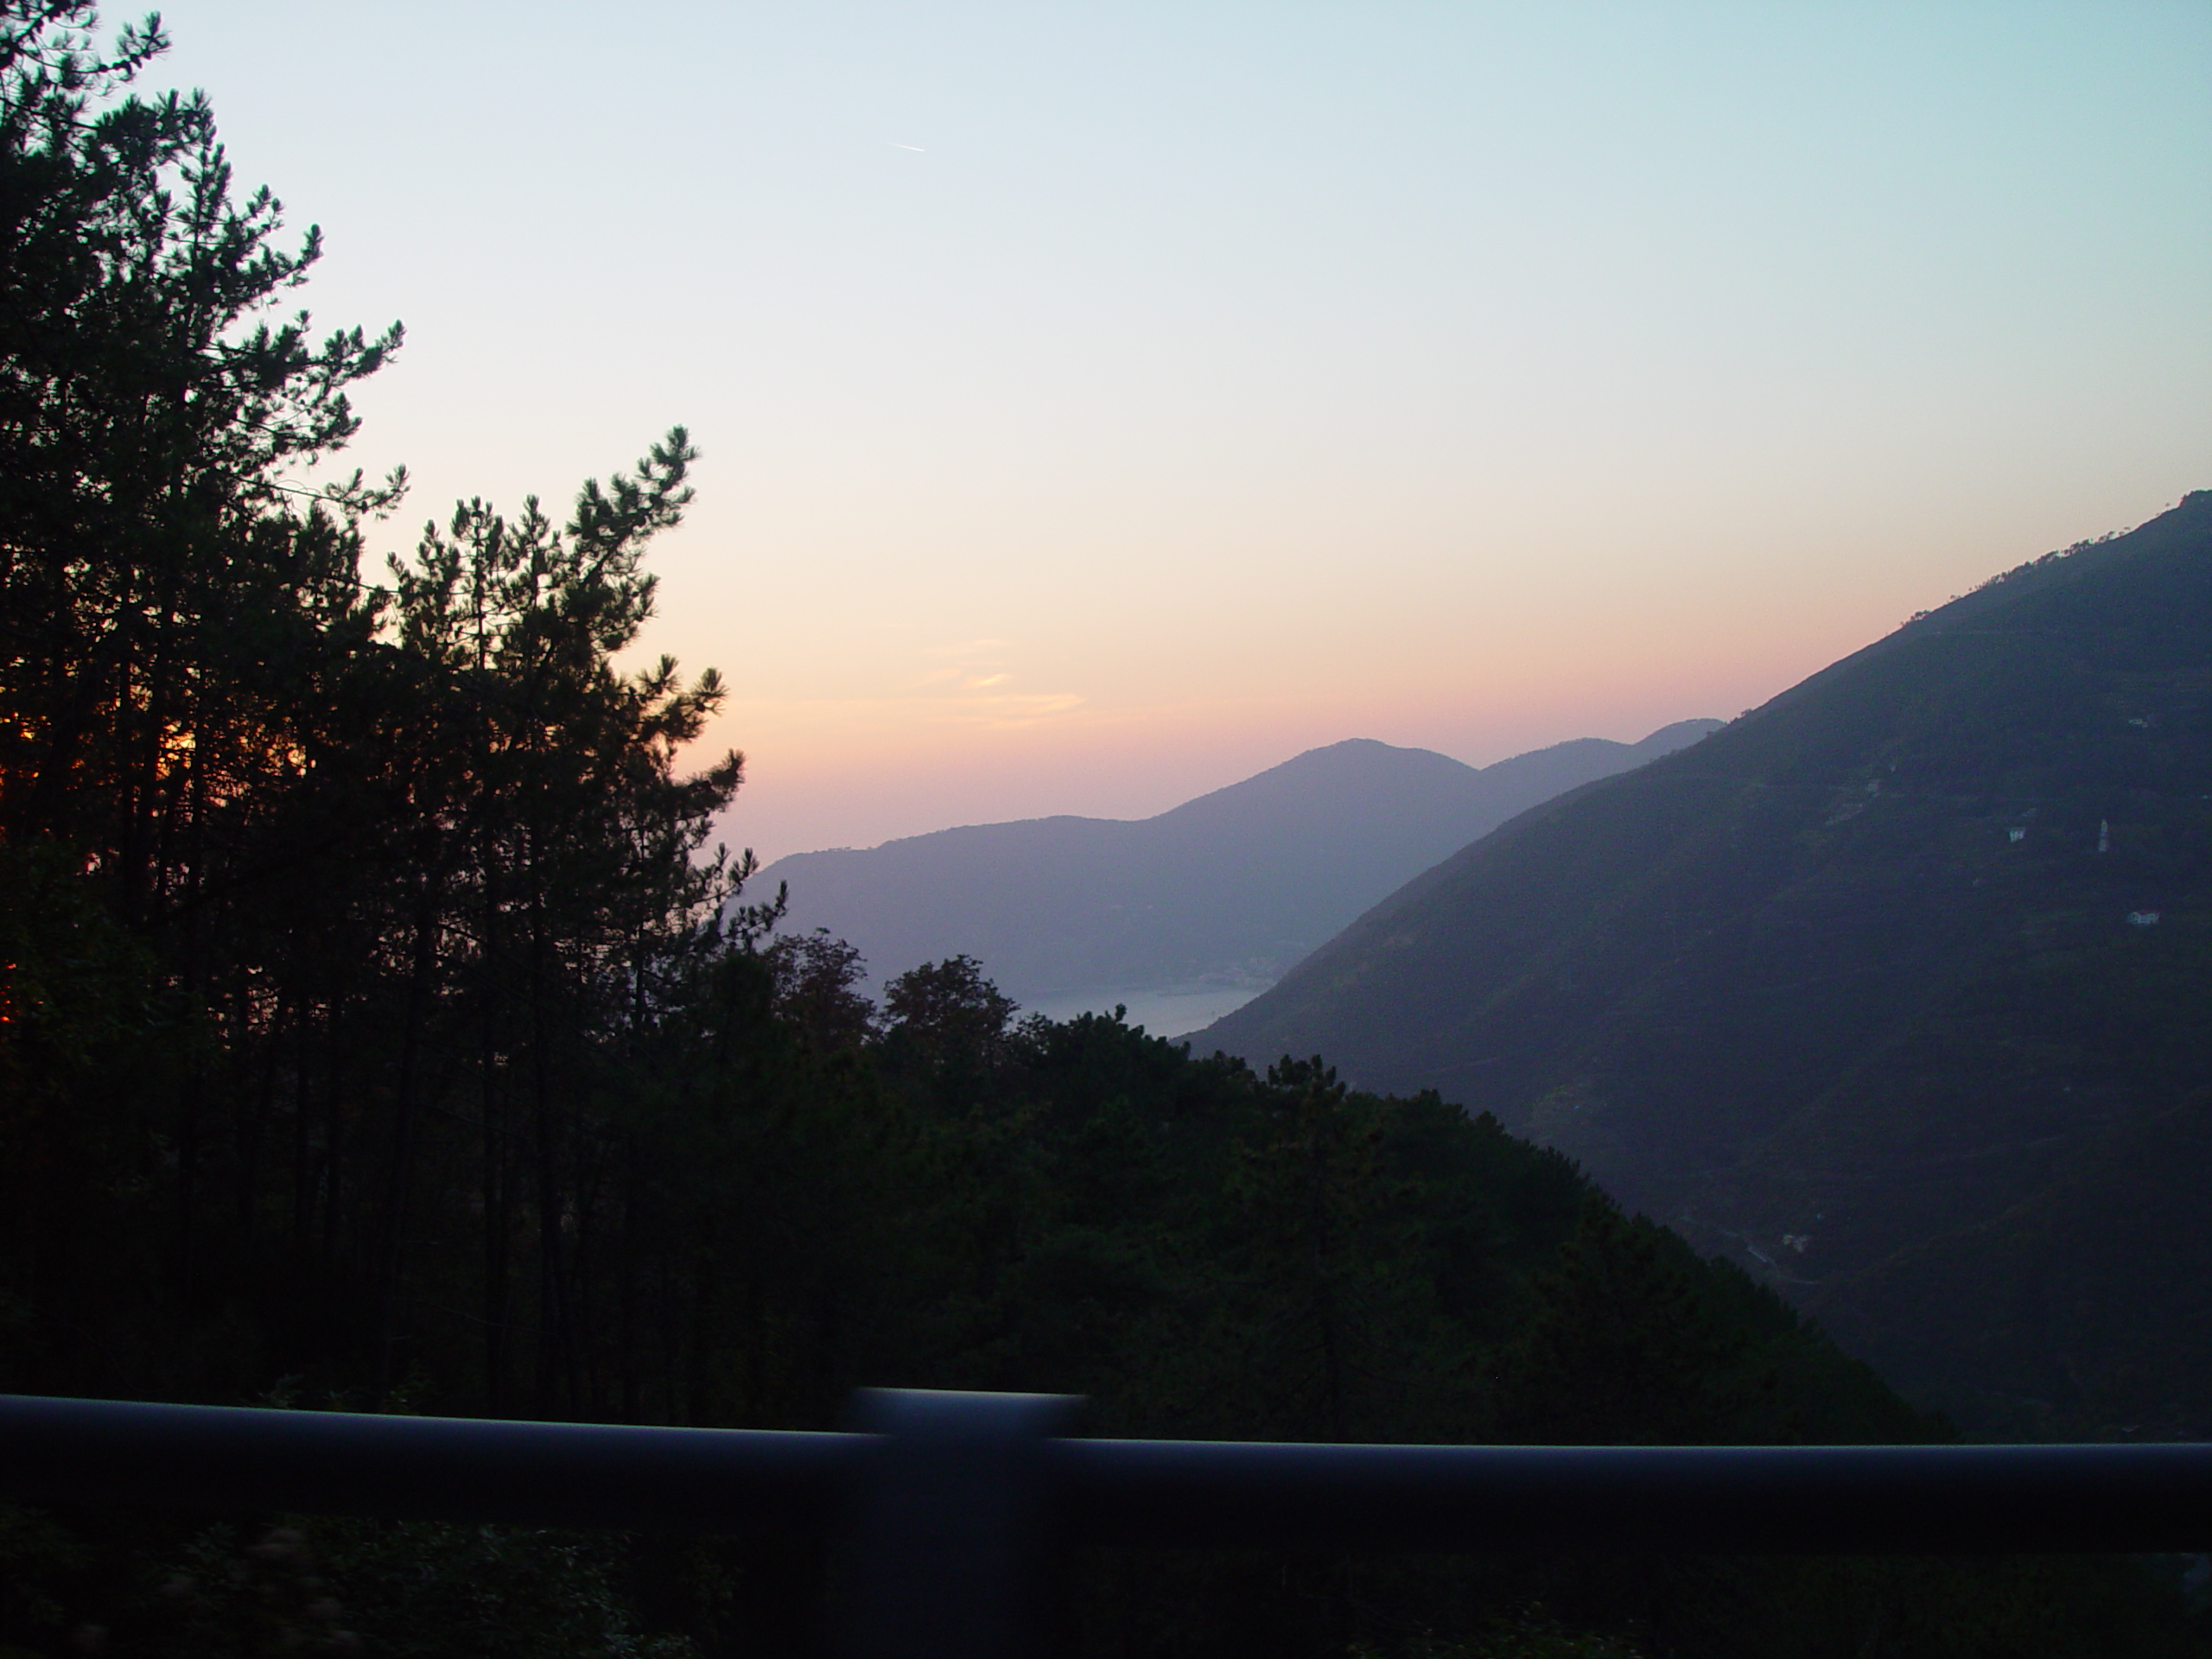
1233, 887
1899, 988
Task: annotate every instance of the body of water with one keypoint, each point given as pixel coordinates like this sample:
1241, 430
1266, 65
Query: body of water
1163, 1010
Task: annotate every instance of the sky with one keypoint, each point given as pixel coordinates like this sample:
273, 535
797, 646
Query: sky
1099, 403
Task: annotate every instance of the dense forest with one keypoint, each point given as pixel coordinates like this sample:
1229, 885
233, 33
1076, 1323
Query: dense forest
378, 1031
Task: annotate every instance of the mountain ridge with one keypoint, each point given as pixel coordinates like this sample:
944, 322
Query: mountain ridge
1230, 887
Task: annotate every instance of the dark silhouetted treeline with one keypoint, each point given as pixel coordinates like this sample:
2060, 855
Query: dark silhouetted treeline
377, 1032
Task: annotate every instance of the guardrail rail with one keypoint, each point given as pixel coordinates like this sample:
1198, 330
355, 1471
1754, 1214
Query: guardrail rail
947, 1511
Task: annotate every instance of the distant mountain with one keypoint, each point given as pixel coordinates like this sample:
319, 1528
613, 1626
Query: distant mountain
1231, 888
1898, 989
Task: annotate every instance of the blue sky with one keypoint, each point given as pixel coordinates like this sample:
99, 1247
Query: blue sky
1101, 403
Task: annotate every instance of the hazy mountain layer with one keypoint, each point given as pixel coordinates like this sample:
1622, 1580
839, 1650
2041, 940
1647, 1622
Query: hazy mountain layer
1232, 887
1899, 988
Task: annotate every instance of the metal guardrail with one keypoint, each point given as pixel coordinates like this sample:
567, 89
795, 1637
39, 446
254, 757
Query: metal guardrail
947, 1510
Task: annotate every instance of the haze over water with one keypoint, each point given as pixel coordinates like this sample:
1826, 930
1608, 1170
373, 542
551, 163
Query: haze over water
1102, 403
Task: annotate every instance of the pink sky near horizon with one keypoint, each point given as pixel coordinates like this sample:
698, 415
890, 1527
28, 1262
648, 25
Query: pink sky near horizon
934, 753
825, 778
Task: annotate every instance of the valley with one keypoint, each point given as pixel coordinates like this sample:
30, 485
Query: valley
1897, 990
